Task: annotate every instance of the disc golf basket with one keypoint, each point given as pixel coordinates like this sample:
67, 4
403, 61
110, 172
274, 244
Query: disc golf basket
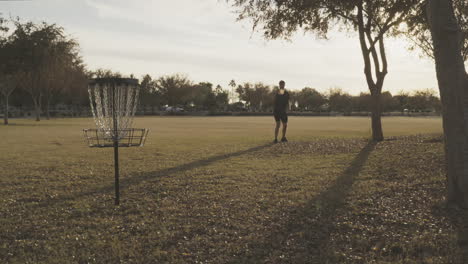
113, 104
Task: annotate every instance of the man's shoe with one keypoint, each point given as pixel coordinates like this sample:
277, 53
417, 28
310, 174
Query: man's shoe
275, 141
284, 140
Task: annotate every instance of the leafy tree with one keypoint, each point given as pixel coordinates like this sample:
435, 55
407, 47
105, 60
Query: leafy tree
75, 93
374, 20
269, 101
259, 96
256, 96
232, 93
105, 73
310, 99
362, 102
218, 89
149, 94
424, 100
453, 81
174, 89
417, 30
35, 41
388, 102
202, 96
293, 100
210, 101
146, 90
403, 100
7, 75
339, 101
8, 83
222, 97
245, 92
63, 62
44, 57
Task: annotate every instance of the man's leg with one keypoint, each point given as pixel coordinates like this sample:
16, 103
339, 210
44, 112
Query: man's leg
278, 123
285, 127
284, 120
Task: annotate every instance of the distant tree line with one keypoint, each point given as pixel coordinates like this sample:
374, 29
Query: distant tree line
260, 97
41, 69
178, 90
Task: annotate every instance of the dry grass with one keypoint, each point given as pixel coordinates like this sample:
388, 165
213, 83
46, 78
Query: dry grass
214, 190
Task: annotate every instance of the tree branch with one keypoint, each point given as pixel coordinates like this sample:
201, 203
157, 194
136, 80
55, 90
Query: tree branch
383, 56
373, 52
383, 29
365, 49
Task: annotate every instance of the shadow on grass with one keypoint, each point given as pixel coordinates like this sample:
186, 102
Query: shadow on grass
124, 183
463, 234
458, 218
305, 234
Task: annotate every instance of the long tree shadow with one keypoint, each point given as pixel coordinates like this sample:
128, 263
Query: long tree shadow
305, 234
134, 180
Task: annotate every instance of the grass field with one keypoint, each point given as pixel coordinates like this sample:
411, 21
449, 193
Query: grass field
215, 190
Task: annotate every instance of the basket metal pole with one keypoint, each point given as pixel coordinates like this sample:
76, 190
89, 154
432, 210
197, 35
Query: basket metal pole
116, 147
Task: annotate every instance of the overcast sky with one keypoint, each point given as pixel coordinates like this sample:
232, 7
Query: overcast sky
202, 39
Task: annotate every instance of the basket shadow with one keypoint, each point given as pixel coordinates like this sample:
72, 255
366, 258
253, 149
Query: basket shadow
139, 178
310, 225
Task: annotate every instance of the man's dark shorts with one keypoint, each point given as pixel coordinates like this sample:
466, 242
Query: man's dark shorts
283, 116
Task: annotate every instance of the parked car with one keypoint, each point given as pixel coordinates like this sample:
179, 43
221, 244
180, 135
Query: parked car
174, 109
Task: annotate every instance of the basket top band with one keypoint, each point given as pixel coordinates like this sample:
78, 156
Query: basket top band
116, 81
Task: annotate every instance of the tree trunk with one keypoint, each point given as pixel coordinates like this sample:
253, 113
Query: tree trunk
452, 80
376, 120
5, 112
38, 113
48, 110
37, 110
370, 54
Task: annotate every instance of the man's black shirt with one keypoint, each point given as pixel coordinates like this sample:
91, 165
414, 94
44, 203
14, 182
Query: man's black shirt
281, 102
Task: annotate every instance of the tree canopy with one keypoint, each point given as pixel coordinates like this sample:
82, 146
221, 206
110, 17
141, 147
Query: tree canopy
44, 60
418, 32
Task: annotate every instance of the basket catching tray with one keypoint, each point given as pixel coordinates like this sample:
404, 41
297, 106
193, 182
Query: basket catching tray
130, 137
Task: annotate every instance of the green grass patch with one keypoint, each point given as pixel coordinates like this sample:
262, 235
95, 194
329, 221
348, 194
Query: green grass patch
215, 190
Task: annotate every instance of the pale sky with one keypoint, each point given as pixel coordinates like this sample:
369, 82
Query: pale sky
201, 38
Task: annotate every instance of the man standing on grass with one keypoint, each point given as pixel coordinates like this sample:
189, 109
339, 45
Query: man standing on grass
279, 111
